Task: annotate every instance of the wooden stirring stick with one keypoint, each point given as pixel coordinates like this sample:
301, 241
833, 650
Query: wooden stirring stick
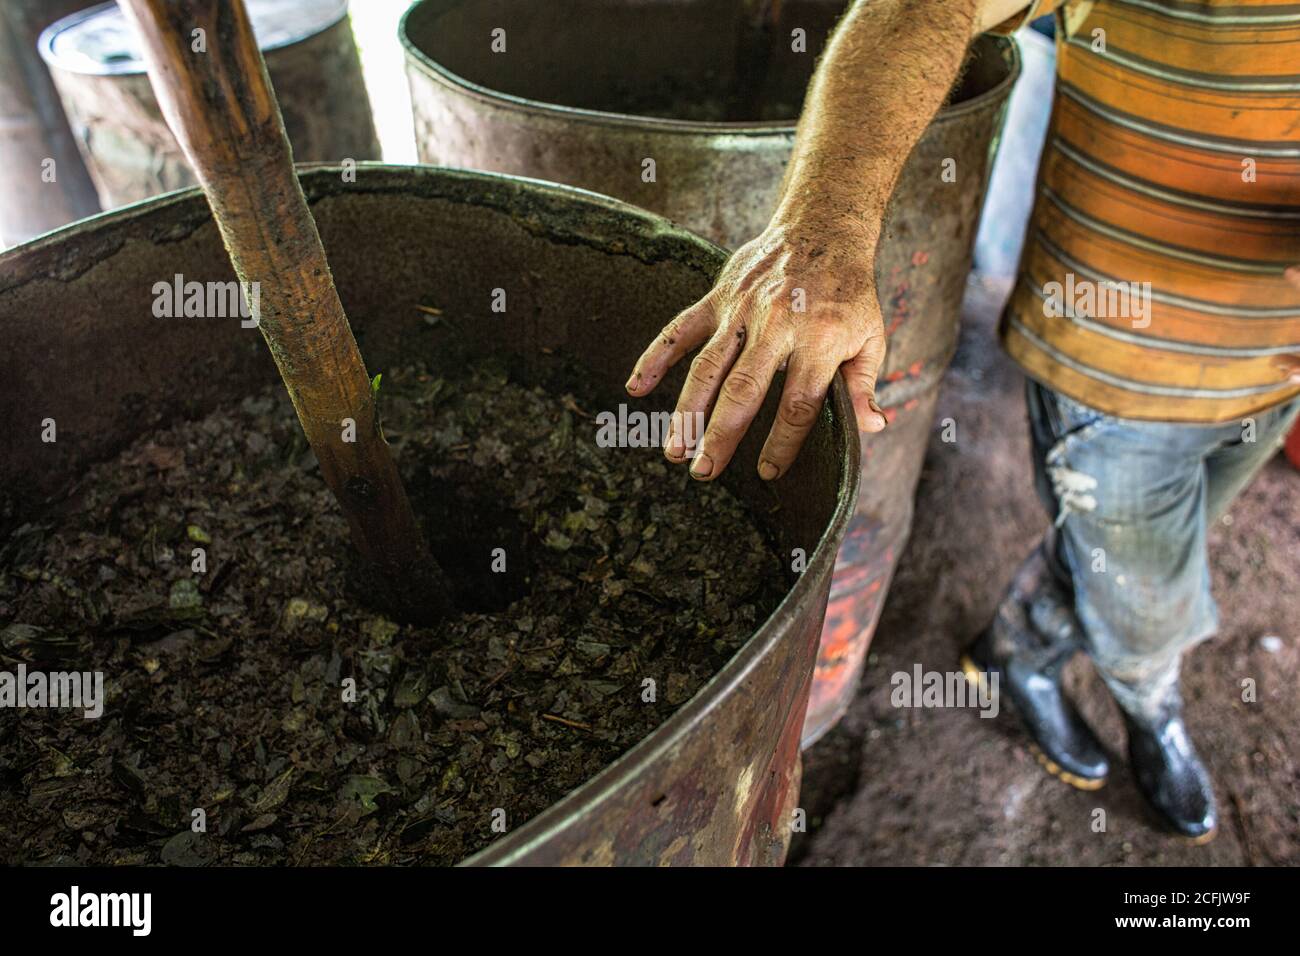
215, 94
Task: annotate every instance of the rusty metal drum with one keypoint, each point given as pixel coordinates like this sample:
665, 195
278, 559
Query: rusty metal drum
99, 71
687, 107
717, 782
46, 181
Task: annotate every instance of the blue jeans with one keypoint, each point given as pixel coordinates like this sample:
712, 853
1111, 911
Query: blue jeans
1132, 502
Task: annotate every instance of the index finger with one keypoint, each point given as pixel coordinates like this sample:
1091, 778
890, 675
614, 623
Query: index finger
680, 336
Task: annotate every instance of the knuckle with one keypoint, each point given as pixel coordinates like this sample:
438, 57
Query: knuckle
671, 332
798, 411
742, 388
823, 338
874, 349
706, 366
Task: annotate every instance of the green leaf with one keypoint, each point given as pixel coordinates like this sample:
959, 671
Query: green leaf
364, 790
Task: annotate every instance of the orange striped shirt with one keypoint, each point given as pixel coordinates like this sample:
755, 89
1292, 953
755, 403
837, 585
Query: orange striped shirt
1168, 207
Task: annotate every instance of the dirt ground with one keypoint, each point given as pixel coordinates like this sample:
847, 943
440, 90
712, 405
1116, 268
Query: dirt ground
944, 786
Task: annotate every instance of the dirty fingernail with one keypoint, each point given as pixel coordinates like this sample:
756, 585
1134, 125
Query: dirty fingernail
674, 449
766, 470
702, 466
884, 420
633, 381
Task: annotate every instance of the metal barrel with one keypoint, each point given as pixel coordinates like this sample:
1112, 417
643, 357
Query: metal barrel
99, 71
687, 107
716, 783
46, 184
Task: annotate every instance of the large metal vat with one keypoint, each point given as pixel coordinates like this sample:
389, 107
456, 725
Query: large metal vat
99, 70
716, 783
586, 91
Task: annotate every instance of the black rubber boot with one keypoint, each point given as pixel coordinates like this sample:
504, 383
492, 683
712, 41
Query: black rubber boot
1032, 637
1169, 773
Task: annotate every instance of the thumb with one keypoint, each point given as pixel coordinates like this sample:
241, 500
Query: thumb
860, 376
1292, 274
1290, 364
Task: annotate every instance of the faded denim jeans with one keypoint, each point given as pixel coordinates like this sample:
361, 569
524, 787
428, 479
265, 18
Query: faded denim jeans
1132, 501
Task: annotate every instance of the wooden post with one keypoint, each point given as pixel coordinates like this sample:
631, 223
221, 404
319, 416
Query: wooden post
221, 109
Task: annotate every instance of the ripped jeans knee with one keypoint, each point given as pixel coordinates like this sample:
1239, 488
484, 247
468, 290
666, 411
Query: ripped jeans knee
1073, 490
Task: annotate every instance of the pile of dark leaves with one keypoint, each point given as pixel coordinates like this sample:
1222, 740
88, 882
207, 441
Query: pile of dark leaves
262, 711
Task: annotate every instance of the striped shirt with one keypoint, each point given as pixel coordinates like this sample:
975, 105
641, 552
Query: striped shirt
1168, 206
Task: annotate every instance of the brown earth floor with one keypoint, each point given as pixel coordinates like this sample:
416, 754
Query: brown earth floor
943, 786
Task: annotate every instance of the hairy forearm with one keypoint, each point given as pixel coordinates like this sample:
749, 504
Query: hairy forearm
885, 73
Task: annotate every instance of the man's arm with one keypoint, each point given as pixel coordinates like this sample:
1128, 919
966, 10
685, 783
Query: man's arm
884, 75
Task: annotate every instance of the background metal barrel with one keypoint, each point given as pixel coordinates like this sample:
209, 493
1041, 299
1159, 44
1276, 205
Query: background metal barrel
586, 92
716, 783
310, 54
46, 184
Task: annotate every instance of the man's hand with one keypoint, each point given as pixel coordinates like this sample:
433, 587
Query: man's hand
803, 293
800, 297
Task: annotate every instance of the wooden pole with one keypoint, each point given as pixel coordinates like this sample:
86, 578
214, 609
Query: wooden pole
217, 99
